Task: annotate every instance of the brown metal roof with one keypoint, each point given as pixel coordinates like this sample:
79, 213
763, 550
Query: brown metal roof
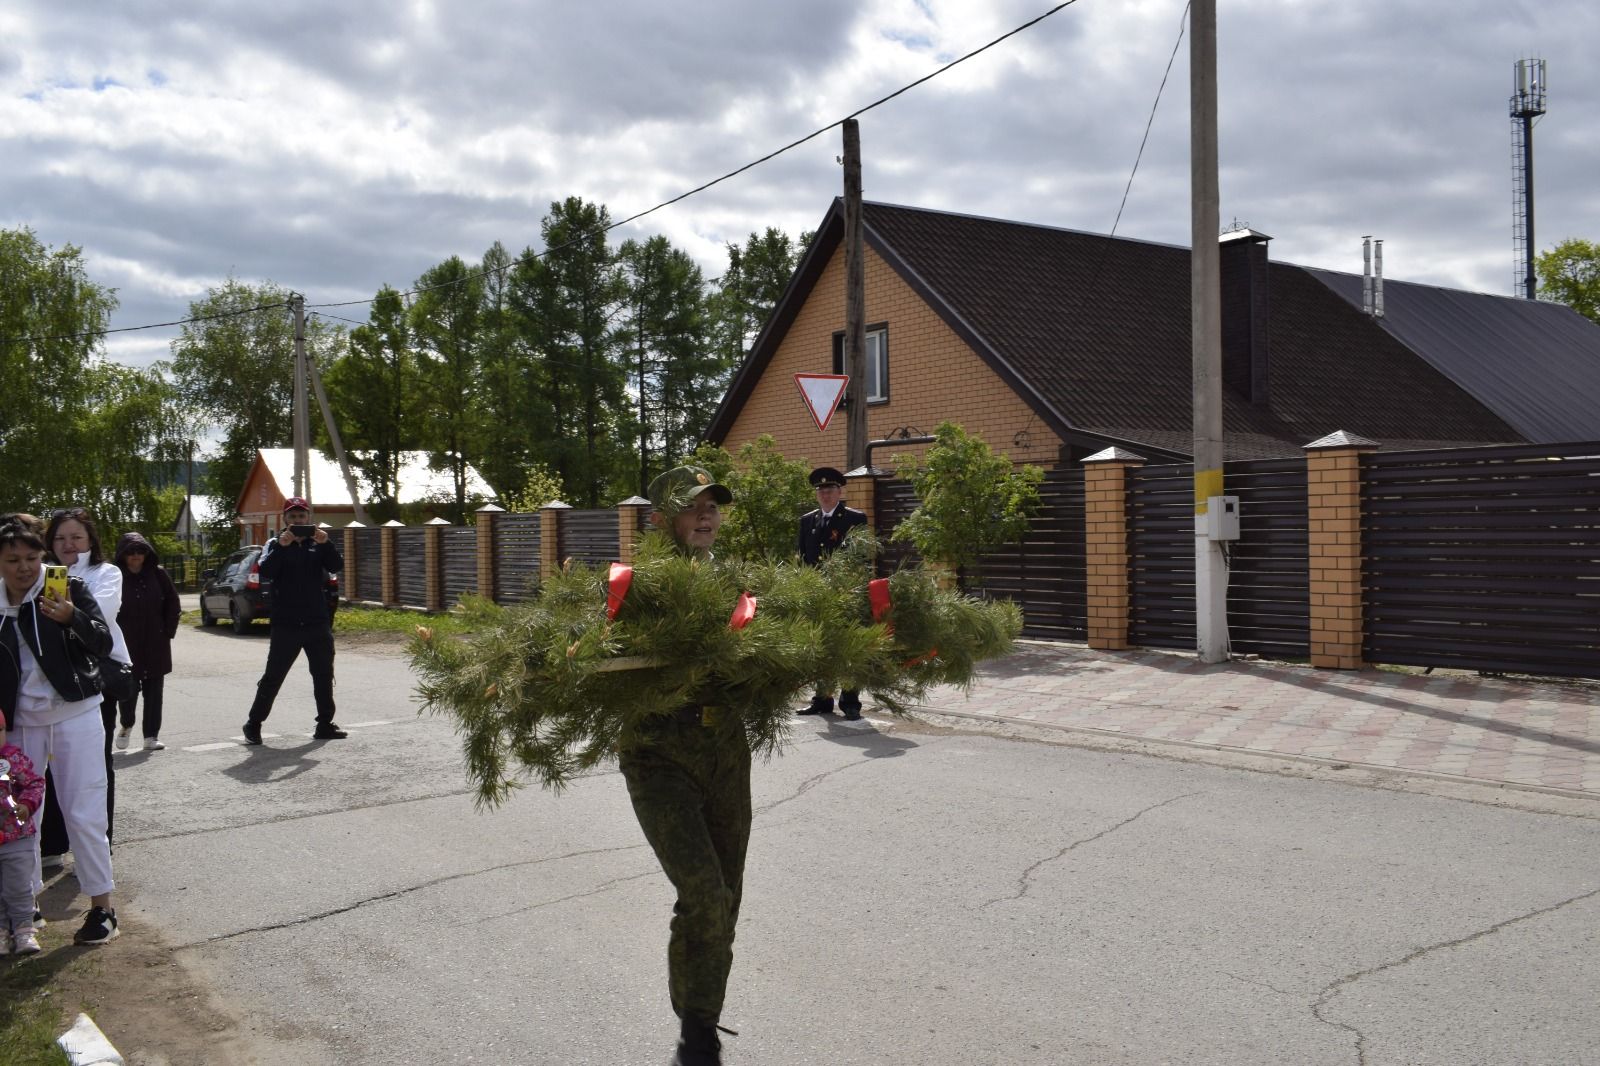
1094, 332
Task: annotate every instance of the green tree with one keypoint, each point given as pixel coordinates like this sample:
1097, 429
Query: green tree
749, 290
504, 450
76, 428
579, 292
770, 493
446, 326
540, 486
970, 500
675, 379
374, 391
234, 368
1569, 273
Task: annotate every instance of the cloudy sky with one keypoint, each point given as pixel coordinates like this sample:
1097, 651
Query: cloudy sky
334, 148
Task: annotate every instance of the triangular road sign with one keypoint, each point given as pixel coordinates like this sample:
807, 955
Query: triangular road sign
822, 392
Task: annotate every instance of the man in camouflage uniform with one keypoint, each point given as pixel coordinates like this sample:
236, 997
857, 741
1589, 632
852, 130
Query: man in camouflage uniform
690, 787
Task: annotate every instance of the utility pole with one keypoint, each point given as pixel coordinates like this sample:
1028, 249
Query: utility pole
336, 440
1210, 565
302, 441
855, 304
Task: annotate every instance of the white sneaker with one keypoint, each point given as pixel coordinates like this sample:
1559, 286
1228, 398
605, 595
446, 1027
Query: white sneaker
123, 733
25, 942
152, 744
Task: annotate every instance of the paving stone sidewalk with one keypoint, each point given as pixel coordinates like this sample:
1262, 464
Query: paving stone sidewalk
1539, 734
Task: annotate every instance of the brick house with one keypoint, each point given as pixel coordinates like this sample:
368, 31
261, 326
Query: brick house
1054, 344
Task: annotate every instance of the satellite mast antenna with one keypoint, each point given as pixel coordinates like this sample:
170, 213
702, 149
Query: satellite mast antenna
1527, 103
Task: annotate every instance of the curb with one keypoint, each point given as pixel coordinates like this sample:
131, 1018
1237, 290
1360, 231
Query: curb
86, 1045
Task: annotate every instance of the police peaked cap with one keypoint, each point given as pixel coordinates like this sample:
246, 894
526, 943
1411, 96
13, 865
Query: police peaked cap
826, 476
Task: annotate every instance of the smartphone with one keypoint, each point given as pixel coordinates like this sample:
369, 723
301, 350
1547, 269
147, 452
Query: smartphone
303, 532
55, 581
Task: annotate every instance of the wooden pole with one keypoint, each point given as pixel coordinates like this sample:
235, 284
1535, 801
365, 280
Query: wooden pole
855, 304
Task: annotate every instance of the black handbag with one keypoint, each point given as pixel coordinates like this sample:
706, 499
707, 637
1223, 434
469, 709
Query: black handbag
116, 678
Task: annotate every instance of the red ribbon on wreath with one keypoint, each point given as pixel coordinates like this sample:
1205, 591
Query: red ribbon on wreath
743, 611
617, 583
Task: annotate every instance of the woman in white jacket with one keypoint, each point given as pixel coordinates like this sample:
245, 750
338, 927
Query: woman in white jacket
49, 692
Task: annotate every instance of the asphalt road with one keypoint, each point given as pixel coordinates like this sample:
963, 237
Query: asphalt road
913, 896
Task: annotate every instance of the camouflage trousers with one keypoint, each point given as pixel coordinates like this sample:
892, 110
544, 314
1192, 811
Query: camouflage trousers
690, 787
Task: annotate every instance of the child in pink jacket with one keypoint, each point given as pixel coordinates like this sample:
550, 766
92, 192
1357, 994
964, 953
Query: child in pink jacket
21, 792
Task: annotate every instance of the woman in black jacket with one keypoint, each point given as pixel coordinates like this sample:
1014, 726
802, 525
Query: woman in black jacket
50, 696
149, 621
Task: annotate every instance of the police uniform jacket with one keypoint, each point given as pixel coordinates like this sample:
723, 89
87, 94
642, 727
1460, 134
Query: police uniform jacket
819, 537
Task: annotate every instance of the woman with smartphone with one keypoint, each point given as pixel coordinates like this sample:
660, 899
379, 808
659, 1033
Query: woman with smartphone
49, 692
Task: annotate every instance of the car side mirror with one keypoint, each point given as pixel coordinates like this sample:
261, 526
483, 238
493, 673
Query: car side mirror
207, 575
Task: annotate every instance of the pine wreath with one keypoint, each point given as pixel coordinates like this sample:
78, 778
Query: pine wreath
540, 692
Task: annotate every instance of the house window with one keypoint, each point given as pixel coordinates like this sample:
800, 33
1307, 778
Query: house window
877, 361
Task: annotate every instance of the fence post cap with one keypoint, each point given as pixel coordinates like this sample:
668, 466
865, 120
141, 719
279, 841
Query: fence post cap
634, 501
1113, 455
352, 524
491, 508
1340, 439
868, 471
556, 505
394, 523
437, 521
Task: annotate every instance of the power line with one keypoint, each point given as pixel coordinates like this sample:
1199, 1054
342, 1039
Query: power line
631, 218
1182, 20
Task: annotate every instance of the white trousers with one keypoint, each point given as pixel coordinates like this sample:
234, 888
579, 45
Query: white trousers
75, 751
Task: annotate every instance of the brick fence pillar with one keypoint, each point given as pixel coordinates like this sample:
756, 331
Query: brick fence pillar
485, 557
349, 581
433, 564
1333, 512
1105, 536
633, 518
550, 537
389, 562
861, 492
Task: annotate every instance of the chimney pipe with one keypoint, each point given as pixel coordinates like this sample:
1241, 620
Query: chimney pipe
1366, 275
1377, 279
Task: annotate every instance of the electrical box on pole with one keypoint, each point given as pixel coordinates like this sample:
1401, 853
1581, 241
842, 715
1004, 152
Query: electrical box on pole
1222, 518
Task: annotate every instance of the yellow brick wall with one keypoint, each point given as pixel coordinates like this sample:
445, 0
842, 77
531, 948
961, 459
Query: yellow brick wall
1333, 497
933, 377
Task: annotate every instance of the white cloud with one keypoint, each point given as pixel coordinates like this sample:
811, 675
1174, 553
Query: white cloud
336, 148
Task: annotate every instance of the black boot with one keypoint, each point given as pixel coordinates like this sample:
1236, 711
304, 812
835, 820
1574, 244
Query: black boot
698, 1045
819, 705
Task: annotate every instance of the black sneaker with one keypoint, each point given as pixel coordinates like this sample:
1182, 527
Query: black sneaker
99, 926
252, 733
818, 706
329, 732
851, 714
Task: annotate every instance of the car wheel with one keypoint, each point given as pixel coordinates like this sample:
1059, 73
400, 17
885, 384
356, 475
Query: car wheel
241, 619
206, 617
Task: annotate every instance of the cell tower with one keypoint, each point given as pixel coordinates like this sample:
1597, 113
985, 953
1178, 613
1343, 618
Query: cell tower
1527, 103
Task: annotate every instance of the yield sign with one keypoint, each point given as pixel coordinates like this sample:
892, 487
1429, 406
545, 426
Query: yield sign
822, 392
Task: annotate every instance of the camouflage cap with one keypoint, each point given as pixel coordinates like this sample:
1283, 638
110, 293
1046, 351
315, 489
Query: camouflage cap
672, 491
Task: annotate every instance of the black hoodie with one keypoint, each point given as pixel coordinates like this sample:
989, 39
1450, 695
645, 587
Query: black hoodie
150, 608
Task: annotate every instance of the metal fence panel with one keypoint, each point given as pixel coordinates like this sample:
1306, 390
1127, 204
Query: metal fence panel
1484, 558
589, 536
1269, 580
458, 562
369, 564
1160, 516
516, 554
411, 569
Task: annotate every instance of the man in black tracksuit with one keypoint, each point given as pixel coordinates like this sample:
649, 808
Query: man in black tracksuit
821, 531
298, 564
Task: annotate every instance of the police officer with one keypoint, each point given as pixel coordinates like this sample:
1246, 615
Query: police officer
298, 567
821, 531
689, 781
